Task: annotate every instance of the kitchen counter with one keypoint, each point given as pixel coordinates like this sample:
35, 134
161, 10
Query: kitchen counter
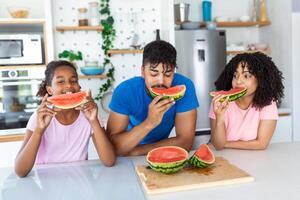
9, 135
276, 172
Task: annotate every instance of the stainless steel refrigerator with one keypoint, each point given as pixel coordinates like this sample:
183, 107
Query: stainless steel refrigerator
201, 56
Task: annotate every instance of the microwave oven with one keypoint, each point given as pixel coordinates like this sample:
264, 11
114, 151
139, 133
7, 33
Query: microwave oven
21, 49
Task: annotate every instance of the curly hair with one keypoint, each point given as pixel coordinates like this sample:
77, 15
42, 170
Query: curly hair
49, 73
160, 51
270, 87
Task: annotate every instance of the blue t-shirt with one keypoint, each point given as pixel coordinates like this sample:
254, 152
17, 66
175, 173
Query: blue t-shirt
130, 98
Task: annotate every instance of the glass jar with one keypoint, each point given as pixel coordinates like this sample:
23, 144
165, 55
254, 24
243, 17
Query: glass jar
94, 13
82, 17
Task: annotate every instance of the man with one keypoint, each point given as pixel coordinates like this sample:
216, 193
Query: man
137, 123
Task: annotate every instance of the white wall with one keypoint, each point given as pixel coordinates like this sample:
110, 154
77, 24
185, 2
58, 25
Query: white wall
295, 73
278, 35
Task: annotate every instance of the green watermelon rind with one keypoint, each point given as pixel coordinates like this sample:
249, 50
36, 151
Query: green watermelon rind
176, 96
169, 167
196, 162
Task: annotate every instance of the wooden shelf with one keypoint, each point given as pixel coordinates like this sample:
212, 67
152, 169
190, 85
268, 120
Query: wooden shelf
79, 28
20, 66
21, 21
11, 138
242, 24
124, 51
240, 52
101, 76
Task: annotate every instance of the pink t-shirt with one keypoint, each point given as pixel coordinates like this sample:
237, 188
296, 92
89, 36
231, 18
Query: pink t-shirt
243, 124
63, 143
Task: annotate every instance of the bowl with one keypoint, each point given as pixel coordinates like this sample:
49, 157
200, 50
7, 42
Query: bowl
92, 70
18, 12
190, 25
244, 18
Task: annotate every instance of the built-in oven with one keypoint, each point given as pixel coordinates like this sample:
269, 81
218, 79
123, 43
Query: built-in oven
18, 88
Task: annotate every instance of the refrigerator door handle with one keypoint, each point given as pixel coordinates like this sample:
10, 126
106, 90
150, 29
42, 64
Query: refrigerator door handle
201, 55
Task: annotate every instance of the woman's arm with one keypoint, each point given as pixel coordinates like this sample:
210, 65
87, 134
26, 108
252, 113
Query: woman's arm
265, 132
218, 136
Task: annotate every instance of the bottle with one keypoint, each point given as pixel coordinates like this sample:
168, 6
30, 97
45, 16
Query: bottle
253, 11
157, 34
94, 13
263, 11
82, 17
206, 10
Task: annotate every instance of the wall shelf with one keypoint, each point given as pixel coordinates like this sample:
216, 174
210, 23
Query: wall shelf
8, 67
21, 21
124, 51
243, 24
101, 76
240, 52
79, 28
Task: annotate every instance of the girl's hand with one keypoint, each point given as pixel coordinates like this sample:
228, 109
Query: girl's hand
45, 114
89, 109
220, 107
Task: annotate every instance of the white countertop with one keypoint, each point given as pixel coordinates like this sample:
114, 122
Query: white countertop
276, 172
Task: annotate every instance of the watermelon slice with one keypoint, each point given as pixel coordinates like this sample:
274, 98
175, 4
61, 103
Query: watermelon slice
233, 94
68, 101
168, 159
176, 92
203, 157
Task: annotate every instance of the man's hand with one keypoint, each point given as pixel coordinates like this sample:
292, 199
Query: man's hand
157, 110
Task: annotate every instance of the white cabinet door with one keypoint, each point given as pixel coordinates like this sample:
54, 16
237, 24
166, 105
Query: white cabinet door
8, 153
283, 132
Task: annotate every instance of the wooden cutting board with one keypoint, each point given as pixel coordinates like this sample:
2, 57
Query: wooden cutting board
220, 173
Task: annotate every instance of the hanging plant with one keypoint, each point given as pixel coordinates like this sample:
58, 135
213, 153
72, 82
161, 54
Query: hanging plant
108, 36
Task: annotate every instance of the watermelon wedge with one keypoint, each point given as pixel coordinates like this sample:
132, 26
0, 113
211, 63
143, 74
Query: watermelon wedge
168, 159
176, 92
68, 101
233, 94
203, 157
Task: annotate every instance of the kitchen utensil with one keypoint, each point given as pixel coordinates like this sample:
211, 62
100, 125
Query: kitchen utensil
92, 70
190, 25
18, 12
181, 12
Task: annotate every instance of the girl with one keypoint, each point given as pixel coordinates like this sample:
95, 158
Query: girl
249, 122
56, 135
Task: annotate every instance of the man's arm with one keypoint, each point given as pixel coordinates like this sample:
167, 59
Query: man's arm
185, 126
265, 132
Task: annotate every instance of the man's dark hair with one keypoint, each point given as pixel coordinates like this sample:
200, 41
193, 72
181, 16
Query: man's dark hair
270, 87
159, 51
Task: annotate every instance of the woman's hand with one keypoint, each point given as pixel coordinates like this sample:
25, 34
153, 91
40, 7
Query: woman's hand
45, 113
220, 107
89, 108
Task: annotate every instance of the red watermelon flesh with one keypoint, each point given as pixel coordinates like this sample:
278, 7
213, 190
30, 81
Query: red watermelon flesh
67, 101
229, 92
168, 91
204, 153
167, 155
